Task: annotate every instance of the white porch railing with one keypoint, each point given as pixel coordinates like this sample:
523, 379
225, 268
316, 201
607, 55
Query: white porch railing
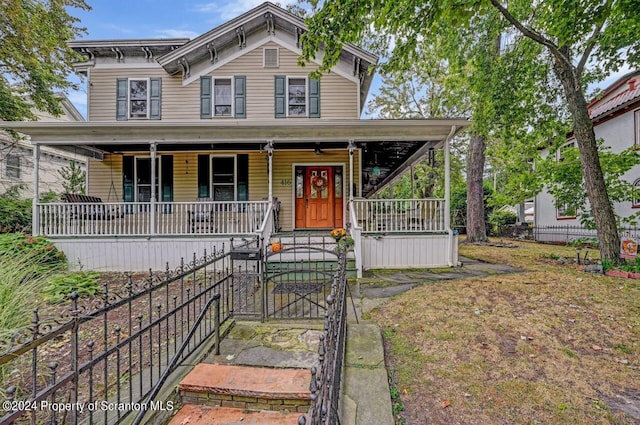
399, 215
143, 219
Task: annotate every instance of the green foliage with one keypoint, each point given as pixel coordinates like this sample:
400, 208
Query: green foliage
37, 250
502, 218
60, 286
22, 277
36, 59
73, 178
459, 205
15, 213
566, 185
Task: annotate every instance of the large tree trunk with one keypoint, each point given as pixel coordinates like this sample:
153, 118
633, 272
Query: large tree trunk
601, 207
476, 227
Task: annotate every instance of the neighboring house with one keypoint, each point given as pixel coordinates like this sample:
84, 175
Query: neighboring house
616, 119
226, 136
16, 157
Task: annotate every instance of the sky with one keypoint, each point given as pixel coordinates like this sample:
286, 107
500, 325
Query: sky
119, 19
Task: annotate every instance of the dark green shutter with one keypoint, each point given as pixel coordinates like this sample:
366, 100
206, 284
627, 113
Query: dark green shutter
205, 97
203, 177
314, 98
243, 177
280, 96
166, 192
121, 99
240, 95
155, 112
128, 179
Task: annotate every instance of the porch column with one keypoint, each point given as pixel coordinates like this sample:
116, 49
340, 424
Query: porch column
269, 149
352, 148
152, 212
447, 192
35, 216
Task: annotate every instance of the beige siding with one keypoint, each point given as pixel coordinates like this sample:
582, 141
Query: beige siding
338, 96
102, 174
105, 178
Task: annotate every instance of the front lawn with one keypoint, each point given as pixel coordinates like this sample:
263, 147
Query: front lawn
551, 345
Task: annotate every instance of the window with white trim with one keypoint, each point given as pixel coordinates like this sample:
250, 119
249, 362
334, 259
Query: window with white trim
12, 166
139, 98
222, 97
297, 96
636, 194
565, 211
637, 128
223, 178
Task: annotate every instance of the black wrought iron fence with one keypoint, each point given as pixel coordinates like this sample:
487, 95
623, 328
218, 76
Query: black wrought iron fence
326, 380
97, 360
558, 234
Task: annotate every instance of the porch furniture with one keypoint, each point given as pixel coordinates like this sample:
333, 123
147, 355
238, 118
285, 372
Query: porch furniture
89, 208
201, 217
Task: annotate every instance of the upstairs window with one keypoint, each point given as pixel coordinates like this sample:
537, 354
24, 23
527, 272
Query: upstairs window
222, 95
636, 194
12, 166
139, 98
636, 120
297, 95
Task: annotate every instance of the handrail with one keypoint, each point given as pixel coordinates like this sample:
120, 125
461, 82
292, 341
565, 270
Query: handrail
176, 357
265, 220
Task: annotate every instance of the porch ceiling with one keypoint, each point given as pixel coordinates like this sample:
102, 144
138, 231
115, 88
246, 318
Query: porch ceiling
235, 131
388, 146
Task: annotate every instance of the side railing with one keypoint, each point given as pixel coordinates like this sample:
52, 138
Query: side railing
399, 215
356, 233
146, 219
326, 380
98, 359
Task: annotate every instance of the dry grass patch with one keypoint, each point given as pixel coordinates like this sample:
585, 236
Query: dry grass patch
552, 345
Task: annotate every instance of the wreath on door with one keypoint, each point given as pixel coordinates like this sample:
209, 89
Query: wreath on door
319, 183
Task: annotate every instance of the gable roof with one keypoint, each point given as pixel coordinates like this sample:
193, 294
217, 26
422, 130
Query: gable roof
617, 98
264, 22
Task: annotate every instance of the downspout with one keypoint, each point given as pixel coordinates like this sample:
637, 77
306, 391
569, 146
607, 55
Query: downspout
447, 194
35, 217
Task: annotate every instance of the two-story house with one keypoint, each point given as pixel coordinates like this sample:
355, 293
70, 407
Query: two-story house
227, 136
616, 120
16, 157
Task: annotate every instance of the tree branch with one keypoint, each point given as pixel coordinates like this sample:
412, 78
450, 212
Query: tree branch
527, 32
591, 43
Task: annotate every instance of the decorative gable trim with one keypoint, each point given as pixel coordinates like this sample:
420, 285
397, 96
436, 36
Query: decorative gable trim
221, 62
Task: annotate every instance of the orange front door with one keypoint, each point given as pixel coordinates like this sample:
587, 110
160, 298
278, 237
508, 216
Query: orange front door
319, 197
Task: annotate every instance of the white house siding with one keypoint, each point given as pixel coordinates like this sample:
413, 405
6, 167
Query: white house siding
402, 251
50, 162
135, 254
617, 133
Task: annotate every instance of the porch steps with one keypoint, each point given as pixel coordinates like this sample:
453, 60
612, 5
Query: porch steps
229, 394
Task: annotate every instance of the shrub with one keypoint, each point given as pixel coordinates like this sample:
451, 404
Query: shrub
15, 213
21, 279
60, 286
36, 250
498, 219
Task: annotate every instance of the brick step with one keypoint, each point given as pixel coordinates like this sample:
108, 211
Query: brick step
247, 387
191, 414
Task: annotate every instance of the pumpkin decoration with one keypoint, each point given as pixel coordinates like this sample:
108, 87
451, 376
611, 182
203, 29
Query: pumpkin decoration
276, 247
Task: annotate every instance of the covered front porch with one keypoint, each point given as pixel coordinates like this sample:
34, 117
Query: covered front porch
150, 198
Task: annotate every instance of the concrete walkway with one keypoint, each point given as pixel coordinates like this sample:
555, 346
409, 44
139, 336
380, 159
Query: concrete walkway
294, 344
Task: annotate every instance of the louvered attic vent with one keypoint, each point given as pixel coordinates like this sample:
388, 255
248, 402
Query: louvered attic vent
271, 58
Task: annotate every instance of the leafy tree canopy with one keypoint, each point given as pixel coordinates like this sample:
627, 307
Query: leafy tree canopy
35, 60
